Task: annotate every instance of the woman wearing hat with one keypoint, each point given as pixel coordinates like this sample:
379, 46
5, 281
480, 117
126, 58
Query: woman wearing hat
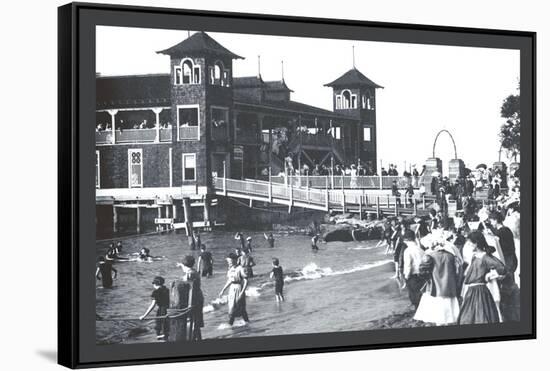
441, 266
237, 281
478, 305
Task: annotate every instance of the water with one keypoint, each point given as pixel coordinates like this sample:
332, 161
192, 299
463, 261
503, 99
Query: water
340, 287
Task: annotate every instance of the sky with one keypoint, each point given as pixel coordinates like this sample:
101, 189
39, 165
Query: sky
427, 88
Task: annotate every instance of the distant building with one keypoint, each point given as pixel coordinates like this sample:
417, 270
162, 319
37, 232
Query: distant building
158, 133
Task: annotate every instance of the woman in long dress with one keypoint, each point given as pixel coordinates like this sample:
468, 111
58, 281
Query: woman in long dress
237, 281
439, 302
479, 305
193, 277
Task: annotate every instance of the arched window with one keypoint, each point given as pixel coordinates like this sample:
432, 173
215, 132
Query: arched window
187, 73
218, 74
346, 99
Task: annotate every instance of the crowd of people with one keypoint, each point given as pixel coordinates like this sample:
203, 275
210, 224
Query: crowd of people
460, 269
350, 169
122, 125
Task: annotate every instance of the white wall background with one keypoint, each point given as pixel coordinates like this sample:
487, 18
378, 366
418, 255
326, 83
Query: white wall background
28, 156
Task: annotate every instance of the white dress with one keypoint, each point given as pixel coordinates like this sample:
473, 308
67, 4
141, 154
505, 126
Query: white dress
437, 309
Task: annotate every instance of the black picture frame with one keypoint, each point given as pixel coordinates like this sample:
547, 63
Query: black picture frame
76, 231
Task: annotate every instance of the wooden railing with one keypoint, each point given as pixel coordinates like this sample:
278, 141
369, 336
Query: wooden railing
134, 136
188, 133
350, 182
320, 199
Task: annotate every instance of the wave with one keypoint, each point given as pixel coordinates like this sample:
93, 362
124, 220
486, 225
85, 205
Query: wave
364, 247
310, 271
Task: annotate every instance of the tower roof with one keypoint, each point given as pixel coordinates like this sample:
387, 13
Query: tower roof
199, 43
353, 78
279, 85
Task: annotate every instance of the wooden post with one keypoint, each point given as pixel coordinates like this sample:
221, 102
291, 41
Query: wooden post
423, 202
115, 219
206, 212
138, 219
326, 198
343, 202
157, 112
332, 169
224, 179
395, 207
174, 212
377, 206
113, 113
360, 207
380, 172
187, 219
388, 201
181, 297
290, 201
170, 171
159, 215
270, 189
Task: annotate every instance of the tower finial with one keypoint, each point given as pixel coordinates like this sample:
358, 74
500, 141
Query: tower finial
259, 68
282, 71
353, 54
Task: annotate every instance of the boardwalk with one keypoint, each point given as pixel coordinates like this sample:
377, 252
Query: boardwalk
340, 200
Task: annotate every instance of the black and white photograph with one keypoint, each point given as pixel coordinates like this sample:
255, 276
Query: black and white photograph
254, 185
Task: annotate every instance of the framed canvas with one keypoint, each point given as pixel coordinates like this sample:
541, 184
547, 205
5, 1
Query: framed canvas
269, 185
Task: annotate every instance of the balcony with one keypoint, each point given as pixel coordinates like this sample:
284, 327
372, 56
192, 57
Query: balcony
104, 137
126, 136
165, 134
188, 133
247, 137
317, 140
135, 135
220, 134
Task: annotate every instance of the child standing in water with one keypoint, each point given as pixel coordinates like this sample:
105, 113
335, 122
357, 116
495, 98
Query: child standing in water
240, 237
104, 272
277, 275
247, 262
270, 239
205, 263
161, 299
314, 241
248, 244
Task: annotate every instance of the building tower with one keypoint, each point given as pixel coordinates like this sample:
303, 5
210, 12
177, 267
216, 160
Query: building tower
201, 108
354, 95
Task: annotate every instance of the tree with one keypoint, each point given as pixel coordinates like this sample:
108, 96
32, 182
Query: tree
510, 130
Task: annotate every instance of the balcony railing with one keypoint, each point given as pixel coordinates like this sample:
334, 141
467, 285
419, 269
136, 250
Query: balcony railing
247, 137
104, 137
220, 134
350, 182
188, 133
165, 134
318, 140
135, 135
